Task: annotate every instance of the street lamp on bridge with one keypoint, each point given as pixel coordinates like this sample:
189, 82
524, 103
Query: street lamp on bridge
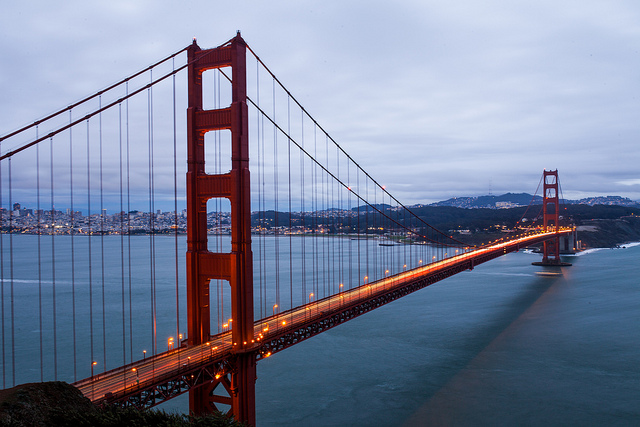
94, 363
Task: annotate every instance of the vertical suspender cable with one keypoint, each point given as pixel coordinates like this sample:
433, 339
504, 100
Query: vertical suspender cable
2, 310
394, 254
263, 185
289, 192
151, 215
73, 254
366, 246
175, 201
325, 240
275, 186
104, 316
375, 231
89, 244
53, 264
340, 209
358, 230
151, 308
314, 208
331, 242
259, 164
39, 231
341, 222
218, 203
350, 224
219, 206
330, 220
11, 295
407, 240
302, 210
121, 216
387, 256
129, 224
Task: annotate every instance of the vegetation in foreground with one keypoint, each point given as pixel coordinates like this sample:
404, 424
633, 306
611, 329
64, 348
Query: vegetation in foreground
60, 404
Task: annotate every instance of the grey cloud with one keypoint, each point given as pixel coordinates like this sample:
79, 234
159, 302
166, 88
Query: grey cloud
444, 99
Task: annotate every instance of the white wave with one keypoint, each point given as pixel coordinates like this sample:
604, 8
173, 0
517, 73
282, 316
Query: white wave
589, 251
624, 246
630, 245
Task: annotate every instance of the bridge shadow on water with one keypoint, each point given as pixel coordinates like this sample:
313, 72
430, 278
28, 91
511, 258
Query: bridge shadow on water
464, 382
417, 360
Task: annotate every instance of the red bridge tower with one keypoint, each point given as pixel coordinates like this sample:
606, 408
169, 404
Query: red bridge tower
551, 220
203, 265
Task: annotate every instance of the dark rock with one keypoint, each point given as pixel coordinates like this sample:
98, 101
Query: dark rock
34, 404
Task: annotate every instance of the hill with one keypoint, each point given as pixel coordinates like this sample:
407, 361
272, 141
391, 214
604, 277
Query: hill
511, 200
507, 200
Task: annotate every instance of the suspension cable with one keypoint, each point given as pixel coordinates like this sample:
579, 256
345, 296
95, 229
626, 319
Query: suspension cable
106, 107
276, 126
90, 97
341, 149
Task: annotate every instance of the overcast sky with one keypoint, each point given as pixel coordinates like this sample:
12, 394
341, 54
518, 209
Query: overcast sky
434, 99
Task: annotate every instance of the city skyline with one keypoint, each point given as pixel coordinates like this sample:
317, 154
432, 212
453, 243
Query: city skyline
464, 202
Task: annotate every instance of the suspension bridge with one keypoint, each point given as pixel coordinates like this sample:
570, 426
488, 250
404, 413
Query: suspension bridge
97, 217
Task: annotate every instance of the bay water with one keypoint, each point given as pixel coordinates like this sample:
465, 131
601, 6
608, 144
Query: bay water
500, 345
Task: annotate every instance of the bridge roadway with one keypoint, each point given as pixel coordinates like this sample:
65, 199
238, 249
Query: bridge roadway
148, 382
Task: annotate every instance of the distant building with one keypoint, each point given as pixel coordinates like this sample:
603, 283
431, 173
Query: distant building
506, 205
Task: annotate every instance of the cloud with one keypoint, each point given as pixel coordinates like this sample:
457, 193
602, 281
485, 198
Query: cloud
436, 99
629, 182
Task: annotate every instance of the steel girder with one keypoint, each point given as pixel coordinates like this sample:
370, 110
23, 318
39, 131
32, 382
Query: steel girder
187, 378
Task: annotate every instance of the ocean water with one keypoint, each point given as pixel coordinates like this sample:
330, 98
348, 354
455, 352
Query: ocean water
499, 345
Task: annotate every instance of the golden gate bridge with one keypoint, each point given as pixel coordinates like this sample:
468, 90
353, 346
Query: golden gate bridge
309, 241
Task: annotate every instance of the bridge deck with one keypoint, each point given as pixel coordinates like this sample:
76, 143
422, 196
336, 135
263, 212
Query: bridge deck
148, 382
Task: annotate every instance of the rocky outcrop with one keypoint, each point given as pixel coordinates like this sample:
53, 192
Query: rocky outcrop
609, 233
61, 404
38, 404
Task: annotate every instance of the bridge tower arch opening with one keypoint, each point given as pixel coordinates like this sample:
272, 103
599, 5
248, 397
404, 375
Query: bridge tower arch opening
235, 266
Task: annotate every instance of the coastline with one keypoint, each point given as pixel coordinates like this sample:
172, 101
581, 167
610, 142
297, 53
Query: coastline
621, 246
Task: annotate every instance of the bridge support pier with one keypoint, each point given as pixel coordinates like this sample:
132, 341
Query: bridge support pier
239, 387
236, 266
